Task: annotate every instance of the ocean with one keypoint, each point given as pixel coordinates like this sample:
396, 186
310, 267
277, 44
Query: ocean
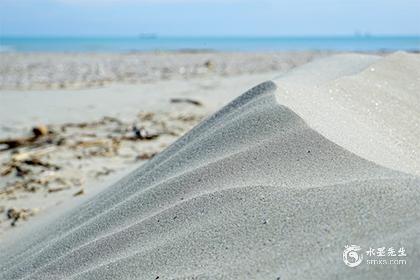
156, 43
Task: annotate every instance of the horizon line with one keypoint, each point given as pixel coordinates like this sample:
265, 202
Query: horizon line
157, 36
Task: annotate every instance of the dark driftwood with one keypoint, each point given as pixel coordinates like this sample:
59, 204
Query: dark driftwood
40, 135
24, 142
186, 100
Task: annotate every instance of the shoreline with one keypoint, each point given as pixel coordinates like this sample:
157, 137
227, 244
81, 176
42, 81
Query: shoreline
46, 71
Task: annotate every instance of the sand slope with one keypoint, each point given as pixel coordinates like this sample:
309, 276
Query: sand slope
366, 104
257, 191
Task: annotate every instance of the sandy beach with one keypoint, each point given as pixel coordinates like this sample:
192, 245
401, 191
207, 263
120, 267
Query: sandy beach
214, 165
90, 70
201, 140
93, 116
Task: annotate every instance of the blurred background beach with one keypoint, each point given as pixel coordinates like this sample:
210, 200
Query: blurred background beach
91, 89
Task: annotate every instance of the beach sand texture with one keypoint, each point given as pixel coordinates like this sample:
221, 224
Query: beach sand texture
272, 186
90, 70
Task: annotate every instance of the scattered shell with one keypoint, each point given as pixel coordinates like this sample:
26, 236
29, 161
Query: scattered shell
53, 190
16, 214
40, 130
209, 64
141, 134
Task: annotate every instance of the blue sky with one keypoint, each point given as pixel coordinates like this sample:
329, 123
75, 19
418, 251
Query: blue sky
209, 18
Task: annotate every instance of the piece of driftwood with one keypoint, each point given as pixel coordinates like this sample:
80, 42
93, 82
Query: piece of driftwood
186, 100
40, 135
80, 192
57, 189
145, 156
20, 162
17, 142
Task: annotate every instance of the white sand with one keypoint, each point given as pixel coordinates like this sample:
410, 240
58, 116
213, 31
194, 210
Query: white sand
371, 104
273, 185
20, 110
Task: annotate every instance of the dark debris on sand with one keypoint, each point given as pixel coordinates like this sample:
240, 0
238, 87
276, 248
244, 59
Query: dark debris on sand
55, 158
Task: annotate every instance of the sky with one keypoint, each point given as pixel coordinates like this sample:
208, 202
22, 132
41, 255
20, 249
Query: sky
209, 17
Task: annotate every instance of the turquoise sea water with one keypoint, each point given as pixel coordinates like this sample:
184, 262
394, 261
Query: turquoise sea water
127, 44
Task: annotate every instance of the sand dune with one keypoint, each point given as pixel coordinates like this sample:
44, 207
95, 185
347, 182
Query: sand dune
365, 104
273, 185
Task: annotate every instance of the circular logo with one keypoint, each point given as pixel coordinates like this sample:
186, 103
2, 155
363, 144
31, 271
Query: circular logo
351, 257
